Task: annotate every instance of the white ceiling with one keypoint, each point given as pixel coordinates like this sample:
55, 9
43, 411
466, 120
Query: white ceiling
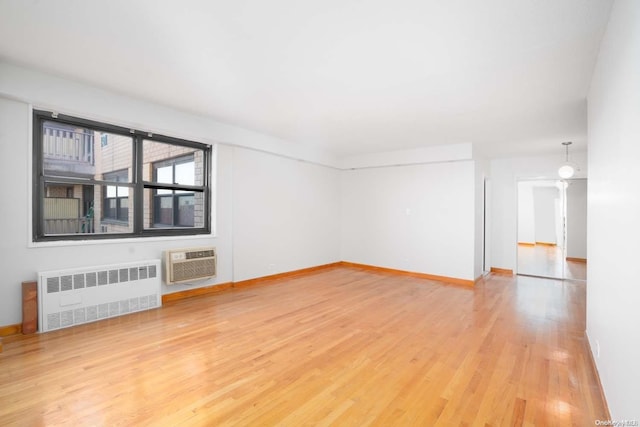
510, 76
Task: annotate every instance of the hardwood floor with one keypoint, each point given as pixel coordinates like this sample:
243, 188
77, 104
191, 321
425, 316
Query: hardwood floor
340, 346
549, 261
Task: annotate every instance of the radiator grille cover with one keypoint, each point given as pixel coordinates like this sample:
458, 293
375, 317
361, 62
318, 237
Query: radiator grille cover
183, 265
72, 297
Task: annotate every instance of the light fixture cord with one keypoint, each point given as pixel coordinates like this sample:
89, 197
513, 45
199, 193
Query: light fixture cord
566, 147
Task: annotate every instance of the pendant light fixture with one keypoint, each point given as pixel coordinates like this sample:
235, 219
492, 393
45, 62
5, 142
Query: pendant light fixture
567, 169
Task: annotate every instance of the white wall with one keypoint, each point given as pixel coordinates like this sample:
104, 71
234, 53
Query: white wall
285, 214
300, 191
613, 294
49, 92
432, 154
273, 213
577, 219
417, 218
546, 210
505, 174
21, 262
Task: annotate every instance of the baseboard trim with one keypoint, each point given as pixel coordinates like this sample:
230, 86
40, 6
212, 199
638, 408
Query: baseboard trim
213, 289
9, 330
582, 260
189, 293
595, 372
444, 279
504, 271
260, 280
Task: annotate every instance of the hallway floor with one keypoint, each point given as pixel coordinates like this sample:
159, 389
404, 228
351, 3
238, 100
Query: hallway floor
548, 261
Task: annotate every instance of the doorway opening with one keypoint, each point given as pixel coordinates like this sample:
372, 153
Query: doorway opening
552, 228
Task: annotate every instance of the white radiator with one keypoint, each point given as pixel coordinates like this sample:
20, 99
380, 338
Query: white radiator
72, 297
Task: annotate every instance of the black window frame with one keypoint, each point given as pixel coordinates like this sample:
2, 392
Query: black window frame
138, 185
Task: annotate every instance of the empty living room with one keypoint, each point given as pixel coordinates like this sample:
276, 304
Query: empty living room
319, 213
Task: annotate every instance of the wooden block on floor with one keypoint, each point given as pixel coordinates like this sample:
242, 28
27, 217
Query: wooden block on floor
29, 307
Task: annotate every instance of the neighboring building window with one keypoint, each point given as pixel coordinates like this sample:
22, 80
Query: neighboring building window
115, 204
126, 183
174, 207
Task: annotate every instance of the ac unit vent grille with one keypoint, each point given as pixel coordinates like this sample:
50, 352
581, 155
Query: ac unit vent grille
183, 265
73, 297
187, 271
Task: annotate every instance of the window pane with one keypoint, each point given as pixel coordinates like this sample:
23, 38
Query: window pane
113, 214
87, 213
173, 210
186, 164
186, 210
109, 208
116, 200
112, 191
164, 175
123, 209
68, 150
163, 210
75, 151
59, 190
115, 159
154, 152
185, 173
116, 176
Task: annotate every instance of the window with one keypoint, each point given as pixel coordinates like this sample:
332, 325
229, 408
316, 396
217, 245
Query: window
124, 182
115, 204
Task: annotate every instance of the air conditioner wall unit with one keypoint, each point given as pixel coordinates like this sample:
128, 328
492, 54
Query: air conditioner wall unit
188, 264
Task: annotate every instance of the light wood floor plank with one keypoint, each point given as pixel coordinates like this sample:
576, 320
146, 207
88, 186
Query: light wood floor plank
340, 346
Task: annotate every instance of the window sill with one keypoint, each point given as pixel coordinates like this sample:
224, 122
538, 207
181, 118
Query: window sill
125, 240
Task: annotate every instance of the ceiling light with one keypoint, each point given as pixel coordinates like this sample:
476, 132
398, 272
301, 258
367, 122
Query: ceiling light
567, 169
